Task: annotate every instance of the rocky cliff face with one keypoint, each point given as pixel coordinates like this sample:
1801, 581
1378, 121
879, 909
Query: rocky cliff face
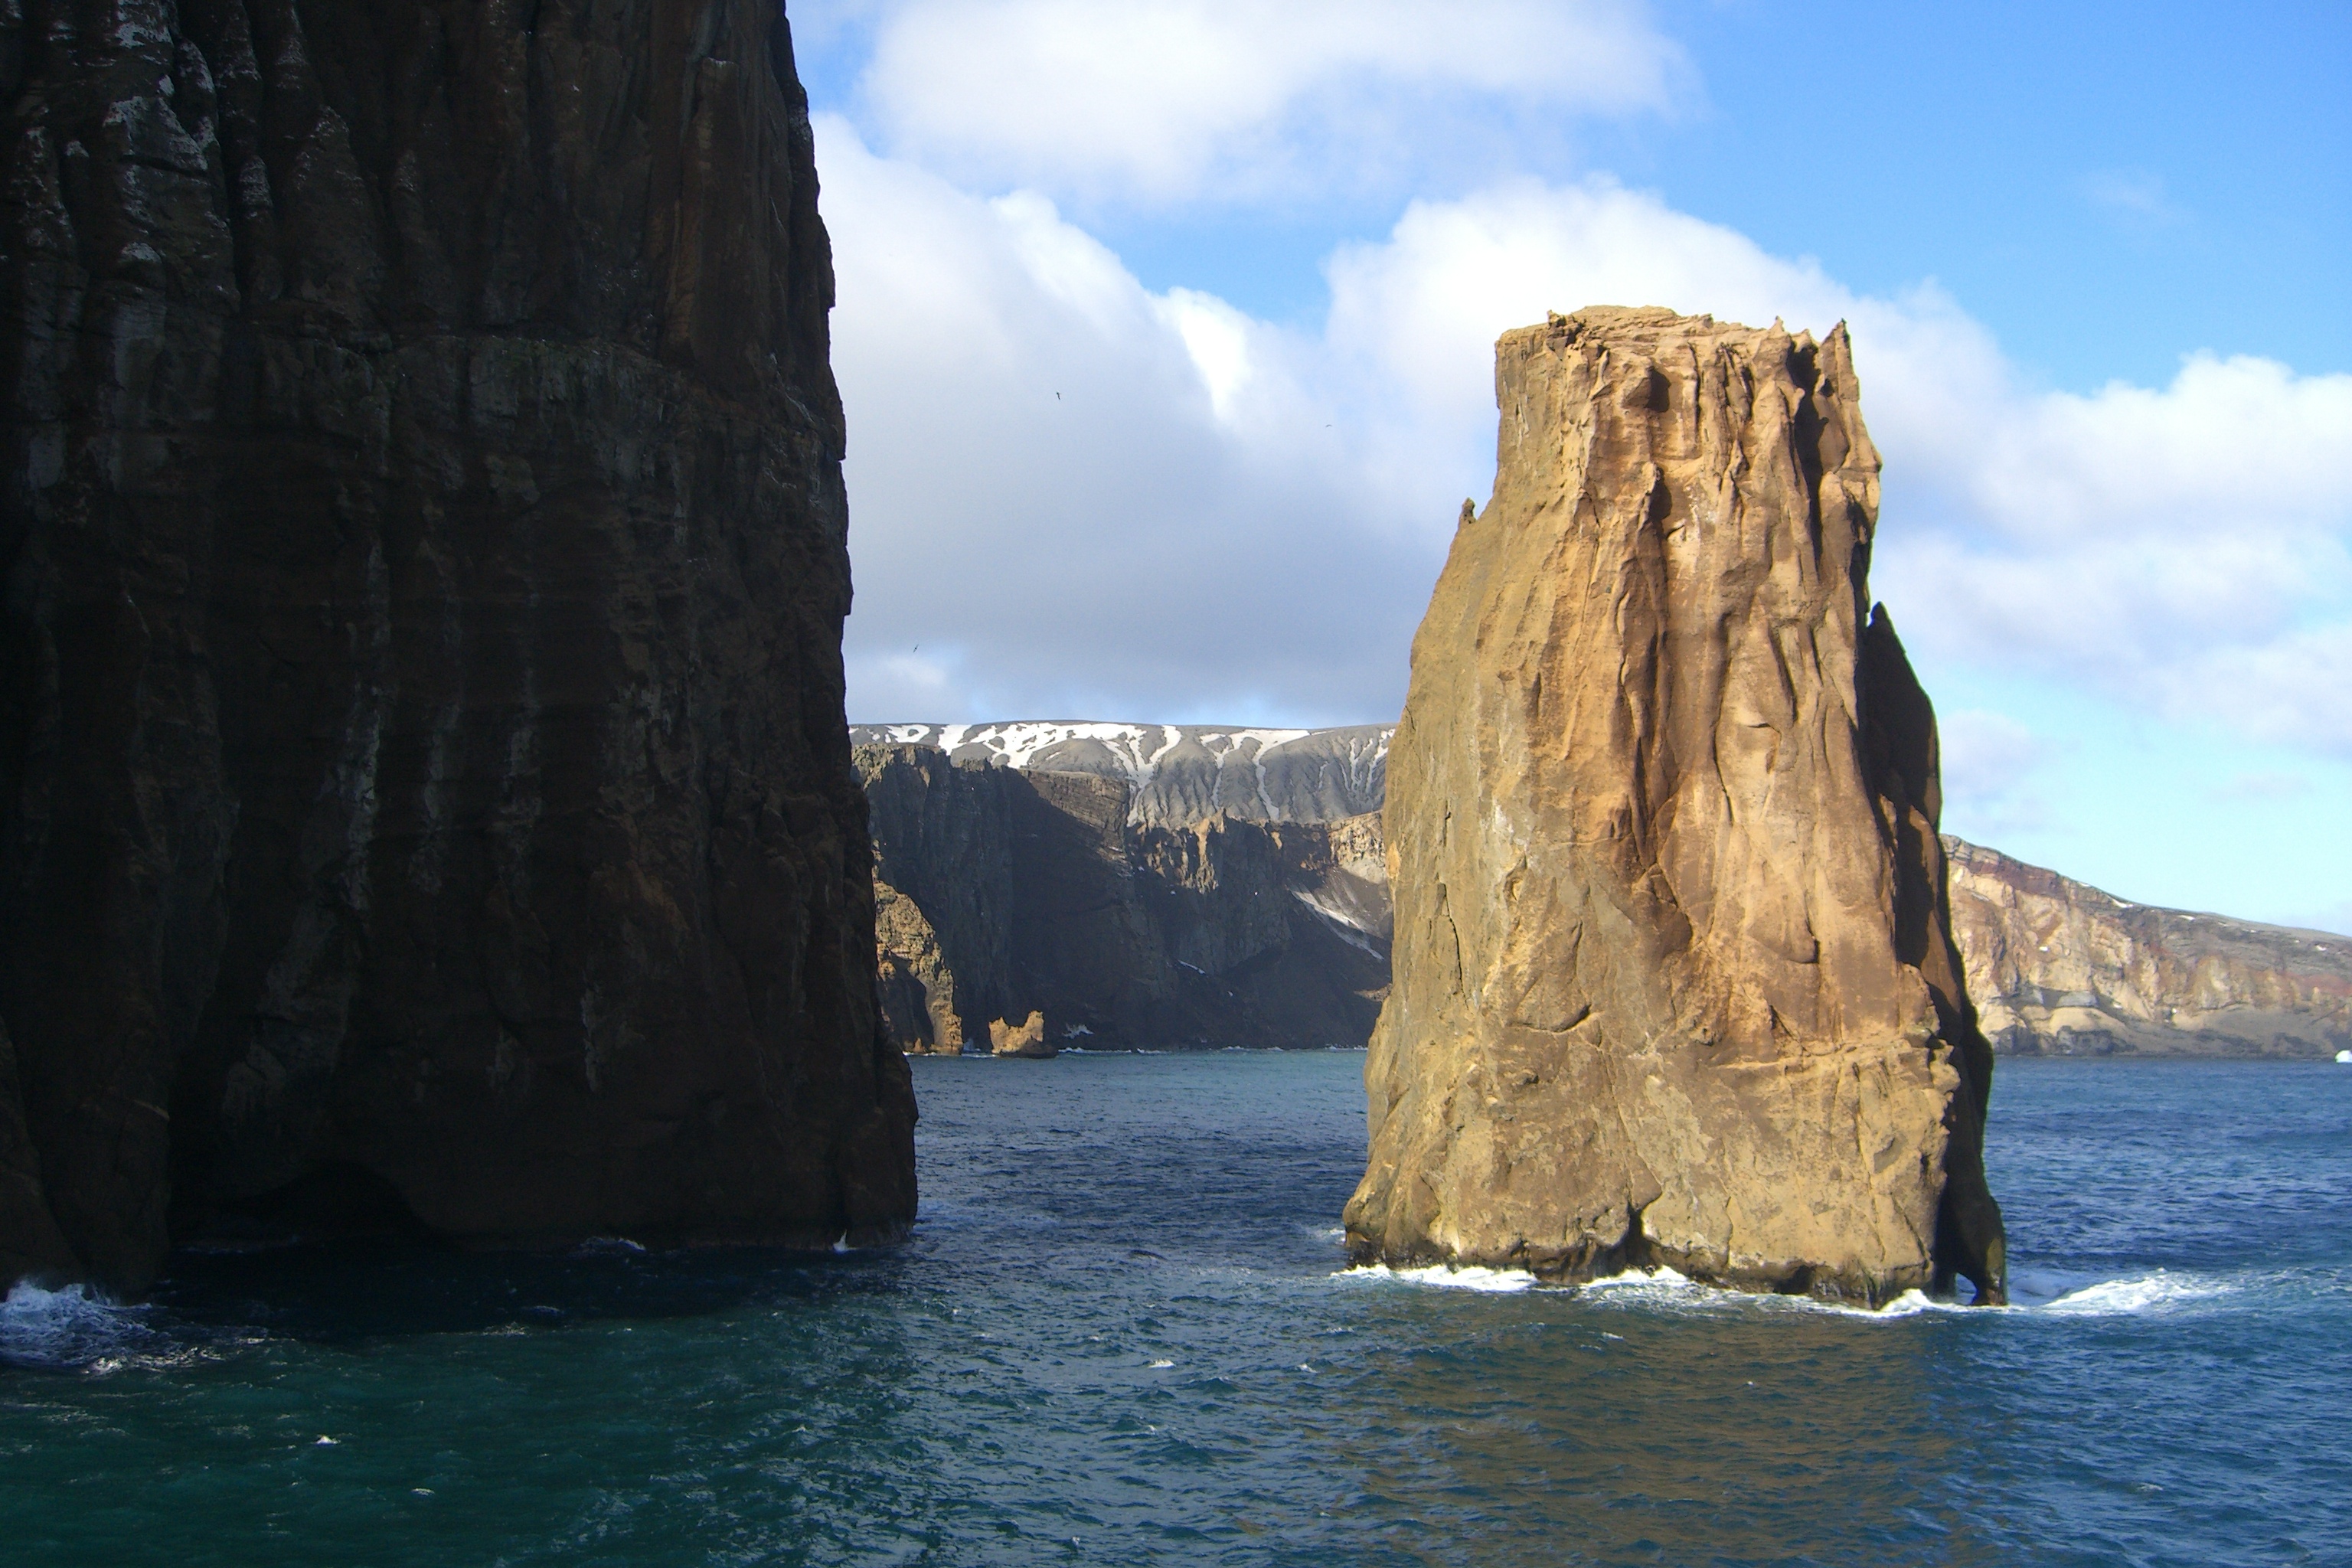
1178, 775
424, 787
1673, 977
2058, 967
2051, 965
1028, 890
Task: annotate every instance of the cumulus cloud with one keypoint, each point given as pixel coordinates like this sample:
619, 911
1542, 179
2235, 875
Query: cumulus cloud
2185, 549
1154, 100
1415, 315
1072, 494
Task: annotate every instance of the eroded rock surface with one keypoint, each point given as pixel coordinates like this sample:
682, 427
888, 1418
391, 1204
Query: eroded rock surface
2058, 967
1674, 976
1026, 1038
1036, 891
423, 772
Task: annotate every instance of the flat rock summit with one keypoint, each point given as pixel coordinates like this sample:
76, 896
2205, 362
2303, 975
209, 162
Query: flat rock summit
1674, 980
426, 799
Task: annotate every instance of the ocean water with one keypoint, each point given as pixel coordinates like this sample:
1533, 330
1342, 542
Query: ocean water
1124, 1334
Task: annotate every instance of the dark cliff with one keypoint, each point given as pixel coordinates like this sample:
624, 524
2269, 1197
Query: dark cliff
1007, 891
424, 784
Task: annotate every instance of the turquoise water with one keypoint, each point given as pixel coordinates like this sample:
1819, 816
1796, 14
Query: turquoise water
1122, 1336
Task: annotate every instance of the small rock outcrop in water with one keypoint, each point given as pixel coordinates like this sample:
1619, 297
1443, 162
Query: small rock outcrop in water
2058, 967
424, 795
1673, 978
1006, 892
1026, 1038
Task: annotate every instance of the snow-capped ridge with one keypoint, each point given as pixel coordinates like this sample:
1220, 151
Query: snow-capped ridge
1182, 773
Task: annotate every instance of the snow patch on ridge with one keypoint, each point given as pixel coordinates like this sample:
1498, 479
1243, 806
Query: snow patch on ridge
1294, 775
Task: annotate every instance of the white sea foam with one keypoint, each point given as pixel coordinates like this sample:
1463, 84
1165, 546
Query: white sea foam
1646, 1282
1910, 1304
2031, 1292
67, 1327
1492, 1280
2157, 1292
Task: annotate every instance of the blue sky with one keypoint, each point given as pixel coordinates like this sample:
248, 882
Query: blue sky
1163, 335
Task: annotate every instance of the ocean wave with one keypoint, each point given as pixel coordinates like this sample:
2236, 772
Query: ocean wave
1660, 1289
1472, 1277
73, 1327
2034, 1293
2158, 1292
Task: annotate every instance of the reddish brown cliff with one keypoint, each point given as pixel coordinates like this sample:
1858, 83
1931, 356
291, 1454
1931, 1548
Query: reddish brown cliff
423, 786
2057, 966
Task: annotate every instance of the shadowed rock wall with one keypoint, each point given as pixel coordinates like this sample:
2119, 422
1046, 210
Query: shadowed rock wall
422, 769
1673, 977
1009, 891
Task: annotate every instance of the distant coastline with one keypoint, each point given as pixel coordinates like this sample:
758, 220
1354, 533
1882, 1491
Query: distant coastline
2055, 967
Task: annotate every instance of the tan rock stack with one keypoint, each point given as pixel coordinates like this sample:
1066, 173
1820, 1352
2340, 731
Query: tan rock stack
1673, 977
1023, 1039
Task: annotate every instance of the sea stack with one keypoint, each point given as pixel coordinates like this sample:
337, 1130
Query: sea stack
425, 801
1675, 983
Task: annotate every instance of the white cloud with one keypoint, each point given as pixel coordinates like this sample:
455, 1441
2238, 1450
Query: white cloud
2186, 549
1070, 496
1991, 767
1223, 518
1158, 99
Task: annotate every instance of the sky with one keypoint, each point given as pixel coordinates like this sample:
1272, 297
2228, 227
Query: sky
1165, 329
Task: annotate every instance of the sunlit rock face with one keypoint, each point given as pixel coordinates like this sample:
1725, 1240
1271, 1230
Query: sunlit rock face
2060, 968
1673, 981
425, 791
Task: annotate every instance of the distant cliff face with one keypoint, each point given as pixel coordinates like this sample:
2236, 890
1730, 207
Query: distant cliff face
2055, 966
1008, 890
423, 786
1673, 981
1180, 774
2051, 965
